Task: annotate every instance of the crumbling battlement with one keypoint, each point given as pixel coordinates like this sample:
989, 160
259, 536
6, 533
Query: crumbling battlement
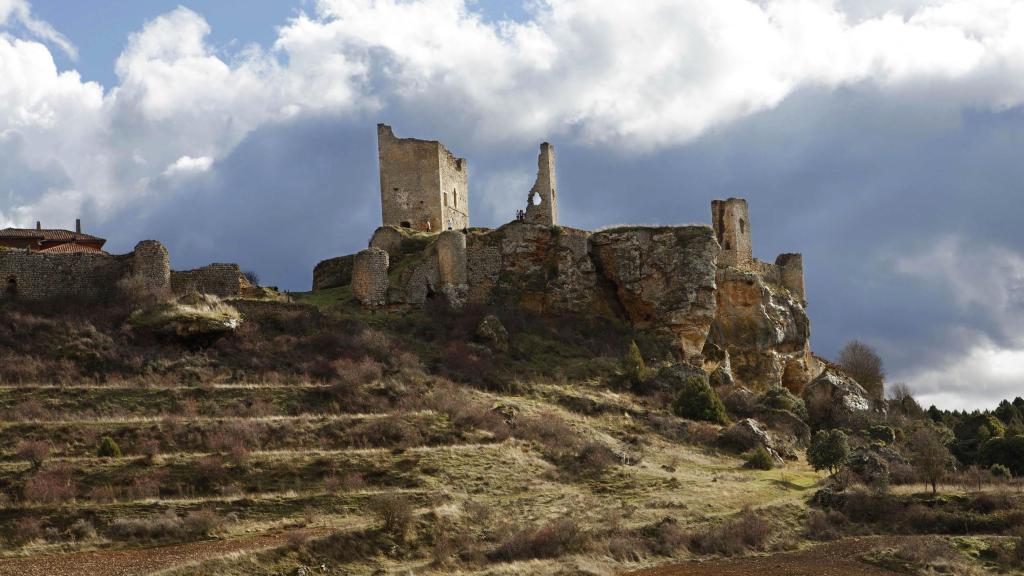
423, 186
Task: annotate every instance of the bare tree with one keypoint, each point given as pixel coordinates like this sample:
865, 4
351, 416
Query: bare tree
864, 365
930, 456
902, 400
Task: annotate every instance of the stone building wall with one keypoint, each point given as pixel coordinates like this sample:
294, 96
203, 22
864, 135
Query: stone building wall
423, 186
223, 280
370, 277
542, 202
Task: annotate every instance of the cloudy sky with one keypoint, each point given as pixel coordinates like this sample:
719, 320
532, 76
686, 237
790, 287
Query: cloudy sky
883, 139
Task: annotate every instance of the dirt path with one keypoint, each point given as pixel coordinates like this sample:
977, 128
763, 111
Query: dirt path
138, 561
833, 559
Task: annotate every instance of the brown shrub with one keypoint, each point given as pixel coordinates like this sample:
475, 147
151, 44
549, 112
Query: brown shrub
166, 526
625, 548
666, 537
147, 485
395, 515
556, 437
375, 343
34, 451
29, 410
593, 459
390, 431
25, 530
824, 525
551, 540
210, 472
350, 376
82, 530
102, 494
51, 486
744, 532
466, 413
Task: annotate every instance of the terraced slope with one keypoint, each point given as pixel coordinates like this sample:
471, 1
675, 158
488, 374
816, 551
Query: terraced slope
300, 463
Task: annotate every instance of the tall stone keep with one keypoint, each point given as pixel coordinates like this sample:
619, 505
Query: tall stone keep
542, 203
731, 221
423, 186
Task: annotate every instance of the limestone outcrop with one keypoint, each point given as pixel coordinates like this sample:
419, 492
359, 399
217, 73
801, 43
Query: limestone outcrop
835, 397
764, 329
664, 279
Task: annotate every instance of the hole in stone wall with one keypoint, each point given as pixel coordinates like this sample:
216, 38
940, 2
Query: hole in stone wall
535, 199
12, 288
446, 199
406, 224
743, 226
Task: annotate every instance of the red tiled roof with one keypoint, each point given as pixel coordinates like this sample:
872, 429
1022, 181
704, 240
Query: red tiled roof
71, 248
48, 235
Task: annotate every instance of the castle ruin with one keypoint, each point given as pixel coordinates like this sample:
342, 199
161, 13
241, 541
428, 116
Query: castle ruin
698, 286
423, 186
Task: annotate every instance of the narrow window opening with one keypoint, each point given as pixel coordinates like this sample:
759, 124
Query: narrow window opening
743, 226
12, 288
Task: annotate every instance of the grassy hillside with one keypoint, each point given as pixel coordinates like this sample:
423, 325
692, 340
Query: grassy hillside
347, 442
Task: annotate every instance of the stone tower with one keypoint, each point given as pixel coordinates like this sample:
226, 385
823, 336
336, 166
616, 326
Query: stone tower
731, 221
542, 203
423, 186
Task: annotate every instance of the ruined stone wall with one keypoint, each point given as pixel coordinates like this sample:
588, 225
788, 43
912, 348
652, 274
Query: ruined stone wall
731, 222
370, 277
542, 201
32, 276
333, 273
223, 280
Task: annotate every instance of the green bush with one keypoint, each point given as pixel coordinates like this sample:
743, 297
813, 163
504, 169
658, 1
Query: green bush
779, 398
760, 459
884, 434
697, 400
829, 450
1000, 472
108, 448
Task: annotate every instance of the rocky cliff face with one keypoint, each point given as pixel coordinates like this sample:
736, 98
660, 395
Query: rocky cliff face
664, 279
765, 331
738, 322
